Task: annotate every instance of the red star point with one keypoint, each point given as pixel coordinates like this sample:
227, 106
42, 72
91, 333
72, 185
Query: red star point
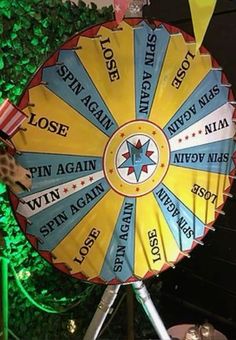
137, 189
186, 137
122, 134
65, 190
138, 145
200, 131
126, 155
180, 140
74, 186
194, 134
149, 153
82, 182
145, 168
111, 171
91, 179
130, 170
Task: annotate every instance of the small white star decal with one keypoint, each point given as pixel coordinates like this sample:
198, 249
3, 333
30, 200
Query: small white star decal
117, 8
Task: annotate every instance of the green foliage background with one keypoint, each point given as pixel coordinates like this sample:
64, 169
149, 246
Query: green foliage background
30, 31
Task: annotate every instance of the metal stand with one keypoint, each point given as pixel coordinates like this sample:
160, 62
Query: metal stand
144, 298
108, 299
103, 309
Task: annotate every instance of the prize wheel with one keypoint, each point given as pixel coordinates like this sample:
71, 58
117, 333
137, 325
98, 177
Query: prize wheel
129, 139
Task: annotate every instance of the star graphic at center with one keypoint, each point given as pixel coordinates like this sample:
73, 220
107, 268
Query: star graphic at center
137, 158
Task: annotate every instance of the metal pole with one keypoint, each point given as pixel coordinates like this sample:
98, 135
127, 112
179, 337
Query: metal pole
103, 309
144, 298
4, 295
130, 313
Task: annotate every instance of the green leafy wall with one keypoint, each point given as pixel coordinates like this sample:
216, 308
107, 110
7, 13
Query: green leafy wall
32, 29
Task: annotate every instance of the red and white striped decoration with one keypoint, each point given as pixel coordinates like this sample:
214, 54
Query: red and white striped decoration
10, 118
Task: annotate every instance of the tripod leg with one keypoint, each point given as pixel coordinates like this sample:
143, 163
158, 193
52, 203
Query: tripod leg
144, 298
99, 317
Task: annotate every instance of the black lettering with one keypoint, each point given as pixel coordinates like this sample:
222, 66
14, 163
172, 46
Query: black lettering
110, 62
46, 198
152, 38
87, 245
153, 242
104, 42
215, 126
44, 231
32, 116
117, 268
181, 72
62, 70
51, 126
51, 225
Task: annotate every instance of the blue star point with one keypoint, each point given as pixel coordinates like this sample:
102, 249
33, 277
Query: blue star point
137, 158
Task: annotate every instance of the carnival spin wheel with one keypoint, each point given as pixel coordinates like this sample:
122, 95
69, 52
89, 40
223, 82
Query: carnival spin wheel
130, 144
